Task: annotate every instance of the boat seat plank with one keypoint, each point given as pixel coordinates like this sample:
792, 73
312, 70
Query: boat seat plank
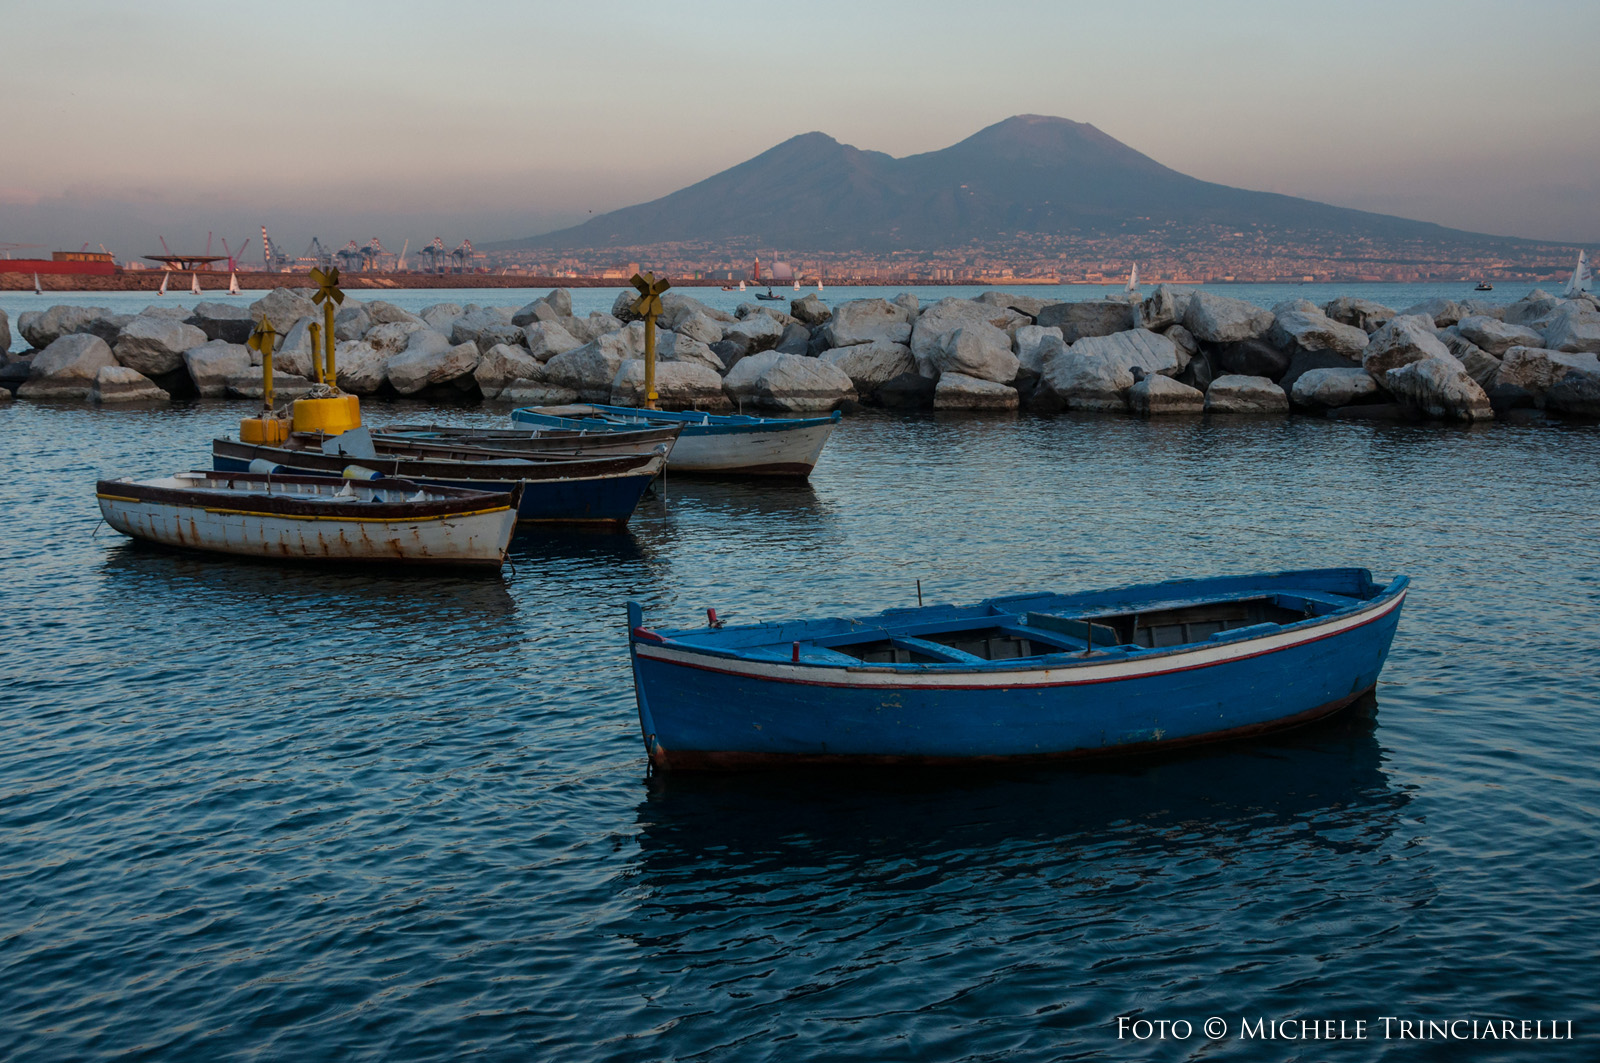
937, 651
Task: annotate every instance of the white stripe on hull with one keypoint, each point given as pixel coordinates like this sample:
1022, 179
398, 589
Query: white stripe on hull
478, 538
733, 451
1125, 668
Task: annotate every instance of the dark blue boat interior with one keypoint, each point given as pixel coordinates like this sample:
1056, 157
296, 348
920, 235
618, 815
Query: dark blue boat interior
1126, 621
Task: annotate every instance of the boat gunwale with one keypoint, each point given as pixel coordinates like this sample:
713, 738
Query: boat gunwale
462, 502
605, 467
712, 424
1366, 611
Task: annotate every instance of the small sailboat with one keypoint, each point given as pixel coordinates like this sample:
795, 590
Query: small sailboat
1133, 278
797, 284
36, 289
233, 284
741, 286
1580, 276
166, 276
819, 284
194, 284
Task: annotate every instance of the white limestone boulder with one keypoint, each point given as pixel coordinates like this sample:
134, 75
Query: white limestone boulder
359, 367
949, 314
394, 336
285, 386
1440, 388
977, 350
700, 326
155, 345
1443, 312
546, 339
1314, 331
67, 368
533, 393
1234, 393
505, 365
41, 328
679, 386
422, 364
871, 365
1537, 369
676, 347
758, 332
1530, 308
384, 313
869, 321
1162, 396
211, 364
791, 382
1033, 343
1407, 338
554, 306
597, 324
228, 322
957, 391
1364, 314
1219, 319
485, 326
676, 308
1164, 307
809, 310
590, 369
1496, 337
441, 317
118, 383
1573, 330
1329, 389
1083, 381
1091, 317
1150, 351
1028, 304
284, 305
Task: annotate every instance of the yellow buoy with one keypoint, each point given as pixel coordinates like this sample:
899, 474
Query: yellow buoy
328, 416
269, 429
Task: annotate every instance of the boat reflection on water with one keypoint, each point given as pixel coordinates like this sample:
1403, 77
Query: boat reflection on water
742, 825
228, 590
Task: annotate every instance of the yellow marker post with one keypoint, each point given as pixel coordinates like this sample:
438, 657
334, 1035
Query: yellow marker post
316, 351
329, 295
648, 306
261, 340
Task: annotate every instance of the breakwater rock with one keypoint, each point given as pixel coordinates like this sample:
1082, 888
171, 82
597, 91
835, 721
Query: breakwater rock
1175, 352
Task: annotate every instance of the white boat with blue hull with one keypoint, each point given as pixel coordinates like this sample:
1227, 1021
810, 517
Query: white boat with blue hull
1026, 677
715, 444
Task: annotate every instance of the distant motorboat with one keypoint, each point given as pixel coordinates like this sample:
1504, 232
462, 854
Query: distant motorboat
163, 289
233, 284
1580, 276
770, 296
1484, 286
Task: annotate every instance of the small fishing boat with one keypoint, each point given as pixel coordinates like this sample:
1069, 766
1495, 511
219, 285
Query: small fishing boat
770, 296
720, 444
556, 442
1027, 677
314, 518
1484, 286
599, 491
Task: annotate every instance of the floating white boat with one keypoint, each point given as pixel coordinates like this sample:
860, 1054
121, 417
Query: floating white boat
1580, 276
194, 284
163, 289
233, 284
1133, 278
36, 289
314, 518
718, 444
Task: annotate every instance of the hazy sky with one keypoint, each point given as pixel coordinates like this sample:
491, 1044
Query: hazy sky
122, 121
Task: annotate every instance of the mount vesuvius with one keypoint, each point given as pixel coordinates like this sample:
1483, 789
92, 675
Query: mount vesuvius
1028, 174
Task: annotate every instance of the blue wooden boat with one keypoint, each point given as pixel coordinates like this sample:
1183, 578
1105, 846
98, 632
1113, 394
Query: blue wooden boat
719, 444
601, 492
1026, 677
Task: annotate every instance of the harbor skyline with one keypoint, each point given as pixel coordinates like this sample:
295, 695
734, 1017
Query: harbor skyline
427, 146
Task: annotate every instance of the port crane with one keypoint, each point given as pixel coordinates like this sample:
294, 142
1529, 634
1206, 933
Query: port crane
277, 261
461, 258
316, 256
435, 254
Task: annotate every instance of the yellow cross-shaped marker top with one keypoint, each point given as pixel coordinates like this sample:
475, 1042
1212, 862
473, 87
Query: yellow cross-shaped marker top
327, 285
258, 338
649, 302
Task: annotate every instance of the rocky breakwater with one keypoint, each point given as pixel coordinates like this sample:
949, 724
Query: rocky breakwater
1177, 352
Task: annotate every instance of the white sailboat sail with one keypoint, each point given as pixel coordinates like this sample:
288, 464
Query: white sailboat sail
819, 284
233, 284
194, 284
165, 276
1580, 276
797, 284
36, 289
741, 286
1133, 278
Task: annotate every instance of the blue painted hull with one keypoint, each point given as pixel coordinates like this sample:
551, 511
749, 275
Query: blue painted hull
610, 500
701, 711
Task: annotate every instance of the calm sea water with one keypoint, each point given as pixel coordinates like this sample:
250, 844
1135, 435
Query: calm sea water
251, 812
585, 300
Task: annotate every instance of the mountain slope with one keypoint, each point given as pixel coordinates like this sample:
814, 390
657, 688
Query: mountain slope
1029, 173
